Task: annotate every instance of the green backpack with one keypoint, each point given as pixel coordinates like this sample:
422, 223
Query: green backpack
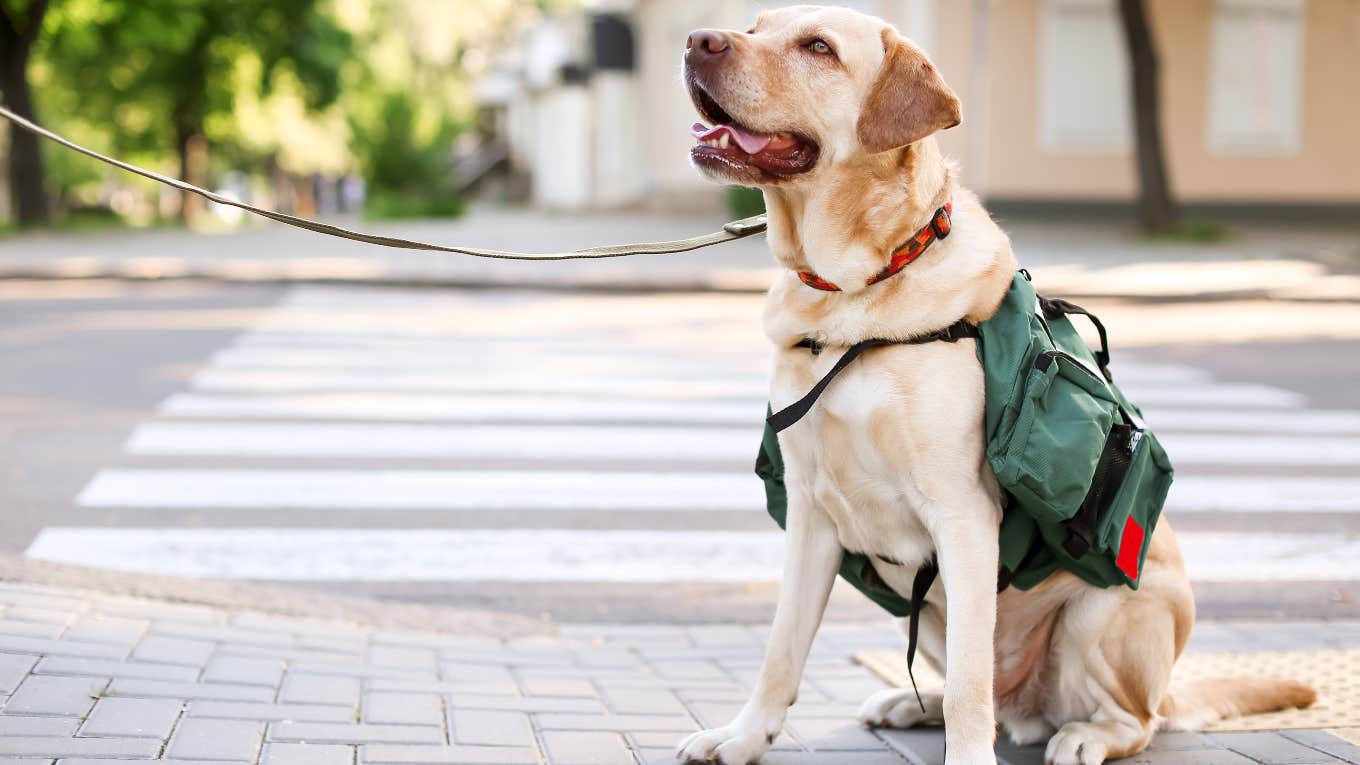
1084, 479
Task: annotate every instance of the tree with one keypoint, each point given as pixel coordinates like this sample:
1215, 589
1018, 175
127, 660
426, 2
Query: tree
162, 70
1156, 207
20, 23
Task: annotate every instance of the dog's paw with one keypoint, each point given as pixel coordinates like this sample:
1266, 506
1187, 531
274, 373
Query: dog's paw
893, 708
729, 745
1076, 744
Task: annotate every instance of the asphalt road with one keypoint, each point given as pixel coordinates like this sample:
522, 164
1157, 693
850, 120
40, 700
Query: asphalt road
502, 449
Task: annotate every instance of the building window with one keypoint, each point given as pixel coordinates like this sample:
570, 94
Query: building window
1256, 76
1085, 77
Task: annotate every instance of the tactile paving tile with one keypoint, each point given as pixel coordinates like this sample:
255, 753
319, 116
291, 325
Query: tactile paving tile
1334, 673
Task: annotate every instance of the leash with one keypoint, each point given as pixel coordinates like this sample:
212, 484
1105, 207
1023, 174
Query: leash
738, 229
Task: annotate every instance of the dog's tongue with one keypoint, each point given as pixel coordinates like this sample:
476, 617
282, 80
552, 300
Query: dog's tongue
751, 143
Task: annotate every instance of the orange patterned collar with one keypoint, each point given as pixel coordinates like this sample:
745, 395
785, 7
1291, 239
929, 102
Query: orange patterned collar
938, 228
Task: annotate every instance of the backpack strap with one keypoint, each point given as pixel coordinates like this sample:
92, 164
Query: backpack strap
1055, 307
795, 411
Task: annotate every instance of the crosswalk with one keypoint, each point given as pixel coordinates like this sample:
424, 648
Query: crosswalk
439, 415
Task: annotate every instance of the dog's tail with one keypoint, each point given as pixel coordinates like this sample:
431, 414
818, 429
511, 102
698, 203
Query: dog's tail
1192, 706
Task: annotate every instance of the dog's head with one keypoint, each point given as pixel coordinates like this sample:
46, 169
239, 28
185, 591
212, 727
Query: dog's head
807, 88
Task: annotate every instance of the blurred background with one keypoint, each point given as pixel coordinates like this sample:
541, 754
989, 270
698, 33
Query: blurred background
411, 108
188, 391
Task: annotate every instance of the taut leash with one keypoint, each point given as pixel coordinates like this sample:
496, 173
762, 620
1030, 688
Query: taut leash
737, 229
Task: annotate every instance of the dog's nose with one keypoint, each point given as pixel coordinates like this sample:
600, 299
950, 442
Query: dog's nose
706, 42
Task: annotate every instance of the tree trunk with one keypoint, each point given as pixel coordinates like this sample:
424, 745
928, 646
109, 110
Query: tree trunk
1156, 208
26, 191
192, 166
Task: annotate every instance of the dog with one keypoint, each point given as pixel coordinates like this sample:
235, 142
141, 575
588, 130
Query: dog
832, 113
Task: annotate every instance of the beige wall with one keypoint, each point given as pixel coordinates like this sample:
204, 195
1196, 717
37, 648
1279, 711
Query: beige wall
1326, 167
999, 81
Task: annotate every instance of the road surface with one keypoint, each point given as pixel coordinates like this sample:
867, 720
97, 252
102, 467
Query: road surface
584, 456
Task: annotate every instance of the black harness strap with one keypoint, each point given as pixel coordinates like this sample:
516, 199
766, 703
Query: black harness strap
925, 577
795, 411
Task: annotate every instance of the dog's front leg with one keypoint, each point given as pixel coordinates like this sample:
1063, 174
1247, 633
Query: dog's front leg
814, 556
968, 553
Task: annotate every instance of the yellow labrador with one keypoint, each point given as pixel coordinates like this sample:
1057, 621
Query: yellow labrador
832, 112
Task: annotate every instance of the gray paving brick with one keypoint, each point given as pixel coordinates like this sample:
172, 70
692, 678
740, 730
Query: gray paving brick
403, 708
344, 669
526, 704
619, 723
555, 685
842, 758
236, 740
26, 761
155, 610
25, 746
920, 747
133, 718
173, 650
1188, 757
13, 669
244, 710
296, 626
1325, 742
586, 748
169, 690
216, 633
55, 695
40, 615
1008, 754
244, 671
307, 754
388, 754
1181, 740
97, 628
12, 644
832, 734
281, 653
1270, 748
302, 688
407, 657
649, 701
16, 725
355, 733
45, 630
472, 726
66, 665
50, 601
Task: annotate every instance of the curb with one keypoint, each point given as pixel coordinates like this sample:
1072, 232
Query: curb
746, 282
279, 600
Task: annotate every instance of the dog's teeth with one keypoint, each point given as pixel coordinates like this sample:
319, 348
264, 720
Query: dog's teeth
725, 140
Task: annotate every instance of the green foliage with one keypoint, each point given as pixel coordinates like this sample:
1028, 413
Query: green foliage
160, 71
405, 160
743, 202
393, 205
1189, 232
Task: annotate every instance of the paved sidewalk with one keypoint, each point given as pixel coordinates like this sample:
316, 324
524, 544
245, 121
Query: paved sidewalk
1316, 263
87, 677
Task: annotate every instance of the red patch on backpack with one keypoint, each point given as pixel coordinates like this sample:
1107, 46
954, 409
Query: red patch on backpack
1130, 548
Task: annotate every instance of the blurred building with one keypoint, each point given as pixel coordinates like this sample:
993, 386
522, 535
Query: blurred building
1259, 99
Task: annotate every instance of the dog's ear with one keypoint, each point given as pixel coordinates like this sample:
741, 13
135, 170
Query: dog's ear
908, 101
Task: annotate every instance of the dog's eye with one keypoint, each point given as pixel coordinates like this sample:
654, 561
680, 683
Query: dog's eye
820, 46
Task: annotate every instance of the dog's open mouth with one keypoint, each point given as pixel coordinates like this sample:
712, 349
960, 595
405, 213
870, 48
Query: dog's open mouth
744, 153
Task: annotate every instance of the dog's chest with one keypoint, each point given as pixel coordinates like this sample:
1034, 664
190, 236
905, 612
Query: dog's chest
877, 440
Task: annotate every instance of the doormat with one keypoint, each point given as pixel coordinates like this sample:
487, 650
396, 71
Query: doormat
1334, 673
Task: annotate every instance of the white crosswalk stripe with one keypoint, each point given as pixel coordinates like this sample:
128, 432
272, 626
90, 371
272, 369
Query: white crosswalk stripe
558, 404
564, 555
